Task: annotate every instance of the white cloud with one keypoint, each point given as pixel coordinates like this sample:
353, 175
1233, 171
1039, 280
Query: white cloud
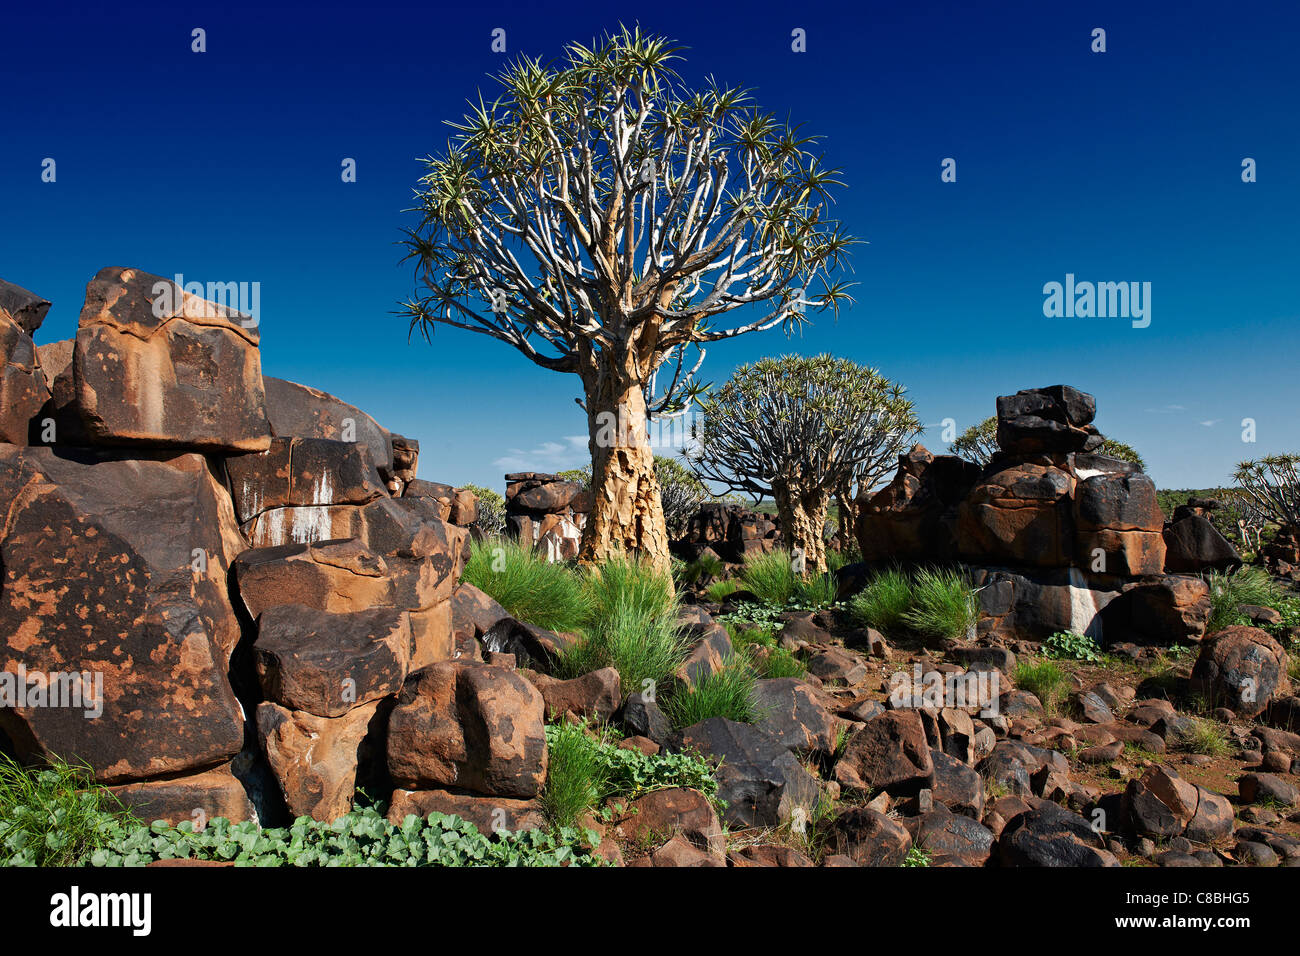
549, 456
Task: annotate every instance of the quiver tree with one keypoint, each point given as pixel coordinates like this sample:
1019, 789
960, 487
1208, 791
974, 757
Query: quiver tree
1271, 488
798, 429
602, 218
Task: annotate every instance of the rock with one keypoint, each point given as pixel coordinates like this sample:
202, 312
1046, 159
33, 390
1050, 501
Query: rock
1035, 604
1020, 515
470, 726
314, 758
198, 798
302, 473
641, 716
792, 714
1255, 854
984, 658
333, 576
679, 852
1118, 516
298, 411
101, 578
869, 838
1160, 803
156, 366
1046, 420
596, 694
912, 517
533, 647
24, 390
1193, 544
473, 612
890, 753
326, 664
1241, 667
952, 839
489, 814
25, 309
768, 855
837, 666
709, 656
1092, 708
1013, 763
1267, 787
675, 811
1173, 609
1050, 835
958, 787
759, 780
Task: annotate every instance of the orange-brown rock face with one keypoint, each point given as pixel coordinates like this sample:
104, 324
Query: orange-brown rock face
156, 366
115, 570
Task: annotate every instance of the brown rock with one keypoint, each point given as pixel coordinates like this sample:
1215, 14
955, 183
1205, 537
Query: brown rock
314, 759
489, 814
198, 798
596, 694
890, 753
1243, 668
661, 814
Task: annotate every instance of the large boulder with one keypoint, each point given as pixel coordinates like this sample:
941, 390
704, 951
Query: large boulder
1193, 544
1053, 420
314, 759
24, 389
302, 473
115, 569
1020, 514
759, 779
912, 517
890, 753
475, 727
1035, 604
1172, 609
1243, 668
335, 576
1118, 525
299, 411
198, 798
1050, 835
868, 837
326, 664
157, 366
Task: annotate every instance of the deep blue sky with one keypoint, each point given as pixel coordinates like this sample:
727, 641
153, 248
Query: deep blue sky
1117, 166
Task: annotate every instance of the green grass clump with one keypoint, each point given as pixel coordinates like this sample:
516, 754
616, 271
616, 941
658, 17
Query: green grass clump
640, 648
729, 693
621, 584
54, 816
779, 662
819, 591
1067, 645
585, 769
943, 605
1205, 737
1230, 590
771, 577
702, 568
768, 658
884, 602
1045, 680
527, 585
718, 591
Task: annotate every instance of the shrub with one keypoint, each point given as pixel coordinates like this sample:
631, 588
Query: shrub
943, 605
1045, 680
916, 857
1230, 590
883, 602
491, 518
729, 693
704, 567
680, 493
1072, 646
525, 584
619, 583
640, 648
54, 816
819, 591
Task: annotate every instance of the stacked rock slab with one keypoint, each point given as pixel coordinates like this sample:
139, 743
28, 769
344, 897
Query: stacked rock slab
547, 513
730, 530
151, 474
1054, 532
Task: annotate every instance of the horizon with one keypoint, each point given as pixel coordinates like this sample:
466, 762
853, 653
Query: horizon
1071, 167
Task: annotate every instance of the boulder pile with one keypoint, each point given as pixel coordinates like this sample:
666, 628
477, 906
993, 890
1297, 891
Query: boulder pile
216, 584
730, 531
1059, 536
547, 513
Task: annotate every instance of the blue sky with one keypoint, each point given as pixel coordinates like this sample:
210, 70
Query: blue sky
1115, 166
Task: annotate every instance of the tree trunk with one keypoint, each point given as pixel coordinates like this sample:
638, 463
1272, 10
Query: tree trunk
627, 515
803, 516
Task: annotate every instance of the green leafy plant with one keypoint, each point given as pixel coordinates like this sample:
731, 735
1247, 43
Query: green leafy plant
916, 857
491, 518
55, 815
1067, 645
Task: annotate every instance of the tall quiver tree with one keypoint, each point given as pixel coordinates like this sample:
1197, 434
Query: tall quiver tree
798, 429
600, 217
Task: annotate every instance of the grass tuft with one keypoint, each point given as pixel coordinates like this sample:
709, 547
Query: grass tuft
729, 693
54, 816
883, 603
1045, 680
527, 585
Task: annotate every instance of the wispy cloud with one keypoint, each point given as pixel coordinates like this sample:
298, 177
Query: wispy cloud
549, 456
1167, 409
1211, 423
